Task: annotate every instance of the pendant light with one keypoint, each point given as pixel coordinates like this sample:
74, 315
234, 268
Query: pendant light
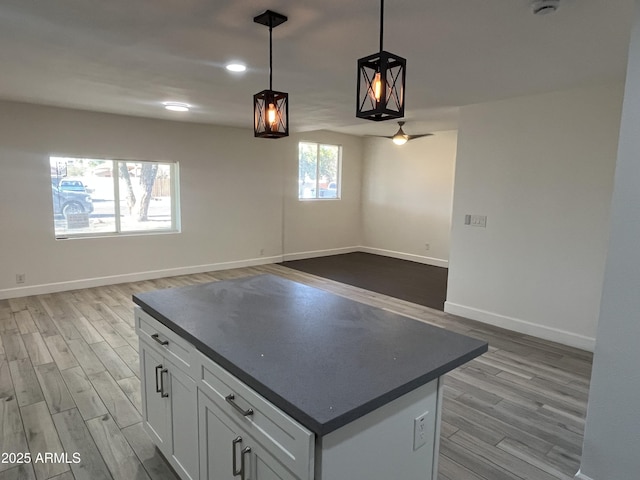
270, 108
381, 80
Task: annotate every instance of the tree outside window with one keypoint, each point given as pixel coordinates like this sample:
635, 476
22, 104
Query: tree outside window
101, 197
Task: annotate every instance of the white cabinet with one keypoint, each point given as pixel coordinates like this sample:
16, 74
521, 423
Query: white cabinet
227, 450
154, 406
169, 402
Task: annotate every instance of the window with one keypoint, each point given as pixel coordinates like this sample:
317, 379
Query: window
105, 197
318, 170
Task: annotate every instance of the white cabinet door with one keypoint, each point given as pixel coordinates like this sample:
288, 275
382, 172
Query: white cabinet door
228, 451
154, 407
218, 444
170, 410
183, 401
264, 466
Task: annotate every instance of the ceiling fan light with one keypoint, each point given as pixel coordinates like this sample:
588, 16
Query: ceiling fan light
399, 139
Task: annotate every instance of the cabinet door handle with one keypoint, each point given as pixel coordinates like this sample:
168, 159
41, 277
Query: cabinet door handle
156, 337
230, 399
162, 392
243, 471
158, 367
234, 442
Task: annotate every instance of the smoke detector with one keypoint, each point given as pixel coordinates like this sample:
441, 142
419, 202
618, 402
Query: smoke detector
543, 7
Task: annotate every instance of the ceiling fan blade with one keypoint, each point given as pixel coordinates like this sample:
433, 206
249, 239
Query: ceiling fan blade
411, 137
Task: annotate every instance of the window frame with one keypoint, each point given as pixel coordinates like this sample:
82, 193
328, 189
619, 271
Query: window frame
317, 188
174, 190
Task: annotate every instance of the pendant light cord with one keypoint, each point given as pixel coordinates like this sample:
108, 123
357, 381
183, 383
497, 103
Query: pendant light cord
270, 54
381, 22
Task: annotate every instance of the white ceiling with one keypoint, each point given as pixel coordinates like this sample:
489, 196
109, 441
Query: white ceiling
128, 56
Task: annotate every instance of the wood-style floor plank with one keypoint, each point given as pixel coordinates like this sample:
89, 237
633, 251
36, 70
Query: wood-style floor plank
75, 438
85, 356
110, 359
84, 395
130, 357
53, 387
25, 382
115, 450
42, 438
6, 384
60, 352
116, 401
36, 348
12, 435
14, 347
25, 322
69, 362
131, 388
24, 471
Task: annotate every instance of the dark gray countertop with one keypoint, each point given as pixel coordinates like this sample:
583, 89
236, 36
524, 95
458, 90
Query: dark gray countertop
323, 359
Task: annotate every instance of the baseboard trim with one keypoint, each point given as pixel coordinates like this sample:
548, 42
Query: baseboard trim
582, 476
522, 326
318, 253
436, 262
131, 277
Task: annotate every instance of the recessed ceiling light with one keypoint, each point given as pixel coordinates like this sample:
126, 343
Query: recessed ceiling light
236, 67
176, 106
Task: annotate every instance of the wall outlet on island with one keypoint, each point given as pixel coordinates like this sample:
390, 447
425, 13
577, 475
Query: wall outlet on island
420, 432
427, 246
21, 277
261, 251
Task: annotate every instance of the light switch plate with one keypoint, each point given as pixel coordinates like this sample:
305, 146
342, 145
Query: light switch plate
476, 220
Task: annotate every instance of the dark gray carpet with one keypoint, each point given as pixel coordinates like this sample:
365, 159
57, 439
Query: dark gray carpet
411, 281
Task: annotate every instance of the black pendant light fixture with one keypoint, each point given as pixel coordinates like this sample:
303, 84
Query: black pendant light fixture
270, 108
381, 80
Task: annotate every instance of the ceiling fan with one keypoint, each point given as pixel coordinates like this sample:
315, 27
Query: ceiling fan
400, 138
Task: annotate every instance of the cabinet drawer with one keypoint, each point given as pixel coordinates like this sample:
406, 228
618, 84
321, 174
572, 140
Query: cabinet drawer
284, 438
178, 350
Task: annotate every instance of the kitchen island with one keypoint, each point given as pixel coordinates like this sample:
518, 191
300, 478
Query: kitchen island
264, 378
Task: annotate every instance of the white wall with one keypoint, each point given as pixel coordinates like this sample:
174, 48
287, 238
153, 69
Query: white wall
407, 197
541, 169
612, 437
231, 198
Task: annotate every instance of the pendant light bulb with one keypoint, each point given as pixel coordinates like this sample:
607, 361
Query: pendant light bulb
272, 115
376, 90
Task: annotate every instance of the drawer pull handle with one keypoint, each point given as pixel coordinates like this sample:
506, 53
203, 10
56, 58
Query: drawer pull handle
162, 392
158, 367
234, 442
156, 337
245, 413
245, 450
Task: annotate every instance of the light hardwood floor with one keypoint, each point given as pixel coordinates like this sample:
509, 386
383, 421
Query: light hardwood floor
69, 382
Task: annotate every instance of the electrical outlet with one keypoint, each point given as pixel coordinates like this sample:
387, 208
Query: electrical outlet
21, 277
262, 251
427, 246
420, 431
